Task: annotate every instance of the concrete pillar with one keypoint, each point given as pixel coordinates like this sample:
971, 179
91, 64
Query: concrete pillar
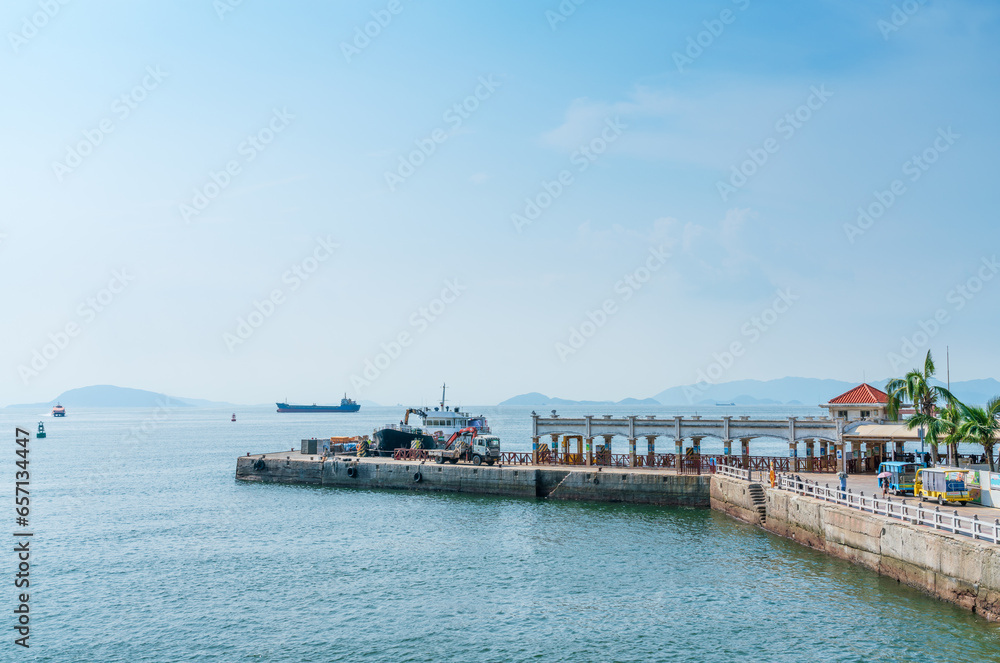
555, 446
590, 452
534, 450
607, 447
823, 450
727, 448
696, 444
898, 449
810, 449
745, 452
651, 450
856, 450
631, 452
793, 456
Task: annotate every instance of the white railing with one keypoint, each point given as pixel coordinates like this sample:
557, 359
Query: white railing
733, 472
918, 515
739, 473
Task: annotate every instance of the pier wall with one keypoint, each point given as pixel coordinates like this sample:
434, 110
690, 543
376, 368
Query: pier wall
951, 567
640, 487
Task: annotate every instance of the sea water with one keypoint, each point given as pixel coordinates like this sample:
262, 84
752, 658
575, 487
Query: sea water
146, 548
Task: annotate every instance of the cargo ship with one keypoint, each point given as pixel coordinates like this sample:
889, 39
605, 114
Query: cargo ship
346, 405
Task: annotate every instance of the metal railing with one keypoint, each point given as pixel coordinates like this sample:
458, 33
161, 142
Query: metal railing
918, 515
410, 454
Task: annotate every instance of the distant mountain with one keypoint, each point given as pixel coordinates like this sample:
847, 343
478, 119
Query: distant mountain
798, 391
976, 392
811, 391
536, 399
110, 396
784, 391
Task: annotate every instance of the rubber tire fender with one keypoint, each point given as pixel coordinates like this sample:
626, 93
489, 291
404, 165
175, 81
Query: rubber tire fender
352, 472
260, 465
417, 477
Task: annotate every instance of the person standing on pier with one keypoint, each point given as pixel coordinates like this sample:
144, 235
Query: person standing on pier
843, 481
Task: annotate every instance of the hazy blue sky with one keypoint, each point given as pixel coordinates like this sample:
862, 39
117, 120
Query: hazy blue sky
575, 157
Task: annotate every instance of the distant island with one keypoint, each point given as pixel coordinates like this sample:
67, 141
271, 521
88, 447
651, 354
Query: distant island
783, 391
106, 395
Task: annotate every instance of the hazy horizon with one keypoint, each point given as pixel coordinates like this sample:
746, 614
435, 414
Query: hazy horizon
242, 202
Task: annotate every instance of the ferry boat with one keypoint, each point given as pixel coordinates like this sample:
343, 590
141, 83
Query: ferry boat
436, 426
346, 405
58, 411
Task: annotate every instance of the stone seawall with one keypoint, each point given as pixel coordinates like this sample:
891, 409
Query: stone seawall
949, 566
642, 487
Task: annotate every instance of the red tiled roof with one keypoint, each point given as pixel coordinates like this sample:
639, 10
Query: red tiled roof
863, 393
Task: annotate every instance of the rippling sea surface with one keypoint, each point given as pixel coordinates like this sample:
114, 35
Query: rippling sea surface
147, 549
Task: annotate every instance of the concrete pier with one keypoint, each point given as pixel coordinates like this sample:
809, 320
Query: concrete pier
958, 569
640, 486
955, 568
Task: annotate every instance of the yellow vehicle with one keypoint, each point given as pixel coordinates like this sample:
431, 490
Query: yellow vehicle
946, 484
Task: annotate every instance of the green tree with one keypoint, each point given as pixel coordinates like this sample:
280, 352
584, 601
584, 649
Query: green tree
941, 427
980, 426
916, 387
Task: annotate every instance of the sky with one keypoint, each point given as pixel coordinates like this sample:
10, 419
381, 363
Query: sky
253, 201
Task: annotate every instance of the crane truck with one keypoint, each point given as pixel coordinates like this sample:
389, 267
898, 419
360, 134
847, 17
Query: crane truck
468, 445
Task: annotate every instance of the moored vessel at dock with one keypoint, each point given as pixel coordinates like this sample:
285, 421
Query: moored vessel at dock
436, 426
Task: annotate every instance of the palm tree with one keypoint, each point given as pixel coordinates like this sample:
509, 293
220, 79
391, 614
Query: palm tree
980, 425
940, 427
916, 387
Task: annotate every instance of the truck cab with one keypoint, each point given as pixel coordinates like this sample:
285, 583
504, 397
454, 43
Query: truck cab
485, 447
469, 444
